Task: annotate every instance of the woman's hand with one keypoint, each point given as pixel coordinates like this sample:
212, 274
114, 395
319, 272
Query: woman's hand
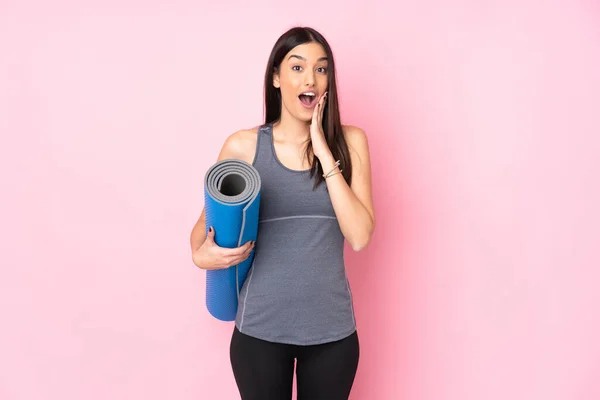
211, 256
317, 136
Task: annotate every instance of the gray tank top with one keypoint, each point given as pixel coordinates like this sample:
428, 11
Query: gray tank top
297, 291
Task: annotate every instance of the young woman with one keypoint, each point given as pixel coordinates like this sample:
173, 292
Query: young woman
296, 303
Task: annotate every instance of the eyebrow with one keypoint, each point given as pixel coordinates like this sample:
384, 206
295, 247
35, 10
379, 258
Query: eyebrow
304, 59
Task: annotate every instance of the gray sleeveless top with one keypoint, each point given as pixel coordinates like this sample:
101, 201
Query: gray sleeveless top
296, 291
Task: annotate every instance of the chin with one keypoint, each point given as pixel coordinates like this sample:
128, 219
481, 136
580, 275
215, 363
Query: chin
304, 115
300, 113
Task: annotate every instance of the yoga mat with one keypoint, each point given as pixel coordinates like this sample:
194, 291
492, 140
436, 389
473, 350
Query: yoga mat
231, 202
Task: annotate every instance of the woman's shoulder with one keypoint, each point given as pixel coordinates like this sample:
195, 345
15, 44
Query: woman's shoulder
240, 144
353, 132
356, 138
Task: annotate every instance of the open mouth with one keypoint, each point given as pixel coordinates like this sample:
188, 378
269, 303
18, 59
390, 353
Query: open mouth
308, 99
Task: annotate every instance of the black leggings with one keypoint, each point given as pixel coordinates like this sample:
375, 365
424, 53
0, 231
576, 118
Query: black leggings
264, 370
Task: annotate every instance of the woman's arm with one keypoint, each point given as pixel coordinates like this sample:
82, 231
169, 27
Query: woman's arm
240, 145
353, 204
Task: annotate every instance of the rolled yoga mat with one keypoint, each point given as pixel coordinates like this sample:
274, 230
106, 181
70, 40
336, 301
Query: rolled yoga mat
231, 202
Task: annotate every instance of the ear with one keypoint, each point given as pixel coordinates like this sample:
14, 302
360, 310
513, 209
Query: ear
276, 79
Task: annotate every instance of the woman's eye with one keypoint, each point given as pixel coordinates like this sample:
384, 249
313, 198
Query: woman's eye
296, 68
322, 69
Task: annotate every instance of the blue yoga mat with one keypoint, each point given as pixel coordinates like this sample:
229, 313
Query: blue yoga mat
231, 201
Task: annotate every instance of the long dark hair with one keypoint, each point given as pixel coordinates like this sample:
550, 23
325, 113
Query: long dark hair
332, 126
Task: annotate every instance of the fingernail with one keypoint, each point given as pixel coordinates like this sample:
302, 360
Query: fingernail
210, 228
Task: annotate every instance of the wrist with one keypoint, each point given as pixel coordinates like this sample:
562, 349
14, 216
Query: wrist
325, 158
330, 167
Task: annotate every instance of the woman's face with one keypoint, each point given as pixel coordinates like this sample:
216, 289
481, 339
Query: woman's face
302, 79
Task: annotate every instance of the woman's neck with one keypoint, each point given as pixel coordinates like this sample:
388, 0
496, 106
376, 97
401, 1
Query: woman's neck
291, 129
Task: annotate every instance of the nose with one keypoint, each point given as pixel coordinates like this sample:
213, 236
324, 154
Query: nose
309, 78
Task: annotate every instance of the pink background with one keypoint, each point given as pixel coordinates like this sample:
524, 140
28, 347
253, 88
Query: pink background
483, 118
